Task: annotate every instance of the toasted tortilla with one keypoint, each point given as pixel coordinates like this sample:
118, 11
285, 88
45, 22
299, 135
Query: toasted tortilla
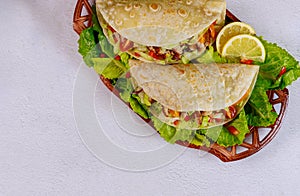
195, 87
160, 23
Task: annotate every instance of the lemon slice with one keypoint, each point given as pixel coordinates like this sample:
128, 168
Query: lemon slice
244, 47
230, 30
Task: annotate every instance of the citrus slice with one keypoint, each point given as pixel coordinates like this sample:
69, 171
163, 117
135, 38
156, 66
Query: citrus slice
230, 30
244, 47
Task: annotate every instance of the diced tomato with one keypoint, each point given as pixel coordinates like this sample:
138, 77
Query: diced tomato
176, 122
218, 120
248, 62
125, 44
116, 37
128, 75
233, 130
118, 58
199, 120
231, 113
137, 54
187, 118
282, 71
224, 112
154, 53
137, 91
175, 55
162, 56
157, 49
102, 55
197, 116
111, 29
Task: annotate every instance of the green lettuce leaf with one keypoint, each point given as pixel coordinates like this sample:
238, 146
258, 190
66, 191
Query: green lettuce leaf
88, 47
289, 77
109, 68
92, 42
183, 135
259, 110
145, 107
96, 24
125, 88
138, 108
171, 134
212, 56
211, 133
223, 137
240, 123
125, 59
167, 132
200, 140
105, 46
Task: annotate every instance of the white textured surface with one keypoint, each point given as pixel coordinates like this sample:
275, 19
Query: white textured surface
42, 154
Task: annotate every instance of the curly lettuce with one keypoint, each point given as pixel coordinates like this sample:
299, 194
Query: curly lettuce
280, 68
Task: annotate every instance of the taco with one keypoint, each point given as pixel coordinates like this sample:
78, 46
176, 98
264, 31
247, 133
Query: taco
166, 31
193, 96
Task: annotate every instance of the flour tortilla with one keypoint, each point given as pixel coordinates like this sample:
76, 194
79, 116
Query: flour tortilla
195, 87
160, 23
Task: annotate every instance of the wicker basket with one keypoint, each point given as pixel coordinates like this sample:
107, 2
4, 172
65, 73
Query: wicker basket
254, 141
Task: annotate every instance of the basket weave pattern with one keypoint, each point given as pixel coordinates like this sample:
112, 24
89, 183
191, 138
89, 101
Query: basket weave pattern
279, 98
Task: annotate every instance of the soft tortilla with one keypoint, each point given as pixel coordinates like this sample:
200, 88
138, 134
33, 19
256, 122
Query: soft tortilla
195, 87
160, 23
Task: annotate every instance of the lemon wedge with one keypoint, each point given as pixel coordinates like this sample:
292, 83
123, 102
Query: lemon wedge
231, 30
244, 47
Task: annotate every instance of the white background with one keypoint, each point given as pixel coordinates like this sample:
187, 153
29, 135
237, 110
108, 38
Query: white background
41, 152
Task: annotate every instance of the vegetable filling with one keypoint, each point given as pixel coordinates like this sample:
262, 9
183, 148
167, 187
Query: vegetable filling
182, 52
